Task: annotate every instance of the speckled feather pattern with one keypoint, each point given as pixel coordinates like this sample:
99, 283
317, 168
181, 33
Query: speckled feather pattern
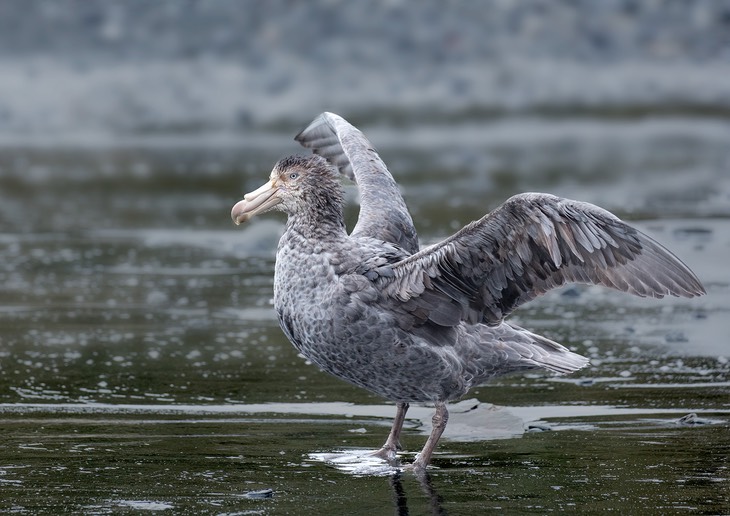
337, 318
331, 307
427, 325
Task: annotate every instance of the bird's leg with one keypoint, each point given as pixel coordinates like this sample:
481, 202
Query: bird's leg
440, 418
392, 444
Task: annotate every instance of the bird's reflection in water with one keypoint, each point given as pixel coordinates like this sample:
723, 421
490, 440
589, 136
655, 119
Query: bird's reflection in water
364, 462
400, 499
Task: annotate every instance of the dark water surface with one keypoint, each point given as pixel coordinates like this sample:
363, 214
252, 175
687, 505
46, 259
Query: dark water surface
142, 368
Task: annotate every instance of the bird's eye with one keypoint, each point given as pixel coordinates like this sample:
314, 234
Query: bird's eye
293, 175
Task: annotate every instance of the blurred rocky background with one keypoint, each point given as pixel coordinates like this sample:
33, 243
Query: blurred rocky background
75, 68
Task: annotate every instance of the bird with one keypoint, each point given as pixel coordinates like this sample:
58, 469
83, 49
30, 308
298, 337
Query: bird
425, 325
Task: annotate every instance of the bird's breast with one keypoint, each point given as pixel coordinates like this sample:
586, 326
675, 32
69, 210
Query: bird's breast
303, 286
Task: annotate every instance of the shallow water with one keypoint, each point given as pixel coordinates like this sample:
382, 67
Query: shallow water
142, 368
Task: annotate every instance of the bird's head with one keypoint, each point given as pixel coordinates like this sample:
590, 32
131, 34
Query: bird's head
297, 184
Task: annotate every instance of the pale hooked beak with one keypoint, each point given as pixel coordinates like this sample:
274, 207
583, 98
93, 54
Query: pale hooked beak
260, 200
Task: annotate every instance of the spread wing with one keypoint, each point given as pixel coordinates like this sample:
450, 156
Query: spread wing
527, 246
383, 212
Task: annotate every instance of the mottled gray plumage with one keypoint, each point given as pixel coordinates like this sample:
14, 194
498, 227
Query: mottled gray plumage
428, 325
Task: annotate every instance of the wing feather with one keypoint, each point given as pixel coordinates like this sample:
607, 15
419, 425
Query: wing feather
383, 212
529, 245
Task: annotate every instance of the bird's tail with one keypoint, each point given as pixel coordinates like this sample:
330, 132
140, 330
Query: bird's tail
506, 348
547, 354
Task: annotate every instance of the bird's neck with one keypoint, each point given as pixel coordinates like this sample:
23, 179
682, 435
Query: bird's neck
326, 223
